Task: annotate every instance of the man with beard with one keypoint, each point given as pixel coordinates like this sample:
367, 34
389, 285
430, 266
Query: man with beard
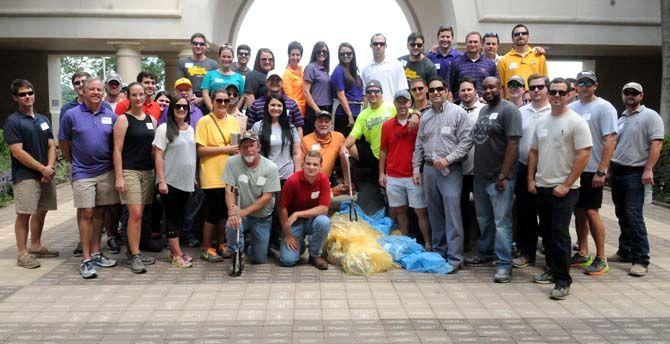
113, 94
521, 60
327, 142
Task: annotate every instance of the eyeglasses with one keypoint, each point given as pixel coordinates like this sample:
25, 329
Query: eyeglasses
522, 33
78, 82
417, 89
198, 44
378, 44
536, 87
373, 92
436, 89
24, 94
222, 101
242, 54
628, 92
558, 92
416, 45
585, 83
323, 52
181, 107
267, 59
346, 54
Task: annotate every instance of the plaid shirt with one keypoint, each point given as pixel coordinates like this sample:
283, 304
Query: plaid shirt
479, 70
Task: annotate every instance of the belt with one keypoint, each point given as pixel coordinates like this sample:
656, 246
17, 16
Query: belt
428, 162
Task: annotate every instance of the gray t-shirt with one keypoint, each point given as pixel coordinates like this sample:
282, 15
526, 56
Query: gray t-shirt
601, 117
195, 70
636, 131
424, 69
253, 182
240, 71
495, 125
179, 157
283, 158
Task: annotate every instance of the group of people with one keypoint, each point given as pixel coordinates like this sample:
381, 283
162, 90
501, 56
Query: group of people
432, 128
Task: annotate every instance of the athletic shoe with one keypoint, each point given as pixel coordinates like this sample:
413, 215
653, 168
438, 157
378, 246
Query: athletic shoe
503, 275
77, 252
43, 252
87, 269
559, 293
146, 259
210, 255
180, 262
187, 257
136, 265
598, 267
223, 252
578, 260
544, 278
27, 261
637, 270
520, 262
114, 245
479, 260
100, 260
618, 258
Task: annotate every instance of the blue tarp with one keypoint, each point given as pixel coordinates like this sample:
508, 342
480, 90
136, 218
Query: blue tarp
379, 221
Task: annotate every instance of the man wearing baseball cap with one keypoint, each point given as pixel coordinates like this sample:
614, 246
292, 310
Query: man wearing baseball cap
183, 89
113, 94
275, 85
601, 117
515, 88
324, 140
640, 138
257, 181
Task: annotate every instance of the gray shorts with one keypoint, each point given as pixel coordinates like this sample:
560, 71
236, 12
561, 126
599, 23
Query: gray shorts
31, 195
400, 191
96, 191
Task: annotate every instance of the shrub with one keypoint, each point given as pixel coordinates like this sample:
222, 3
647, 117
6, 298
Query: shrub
662, 174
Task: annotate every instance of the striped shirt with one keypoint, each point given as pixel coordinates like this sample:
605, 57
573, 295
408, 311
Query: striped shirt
478, 69
257, 109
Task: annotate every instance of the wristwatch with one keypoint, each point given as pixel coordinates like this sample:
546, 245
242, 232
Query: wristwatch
601, 173
501, 176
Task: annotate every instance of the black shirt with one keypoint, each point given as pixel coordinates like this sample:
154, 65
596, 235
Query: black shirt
136, 153
34, 133
254, 84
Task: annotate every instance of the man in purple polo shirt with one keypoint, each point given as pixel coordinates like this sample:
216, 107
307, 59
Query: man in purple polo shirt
472, 64
85, 138
275, 85
445, 55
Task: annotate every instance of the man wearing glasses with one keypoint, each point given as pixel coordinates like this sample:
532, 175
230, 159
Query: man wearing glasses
243, 54
388, 73
443, 141
196, 66
521, 60
601, 117
559, 151
445, 55
419, 92
416, 64
640, 134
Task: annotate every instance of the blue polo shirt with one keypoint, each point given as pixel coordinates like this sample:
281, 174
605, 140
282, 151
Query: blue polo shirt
34, 134
91, 140
443, 63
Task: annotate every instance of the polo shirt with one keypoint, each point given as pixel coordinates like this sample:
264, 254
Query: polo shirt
478, 69
298, 194
398, 141
74, 103
369, 124
601, 117
194, 116
529, 118
636, 131
207, 134
524, 66
34, 134
254, 83
443, 63
353, 92
319, 79
194, 70
91, 140
149, 107
253, 182
257, 109
215, 80
390, 75
293, 86
424, 68
329, 148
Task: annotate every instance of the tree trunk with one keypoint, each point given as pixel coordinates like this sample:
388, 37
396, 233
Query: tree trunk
665, 85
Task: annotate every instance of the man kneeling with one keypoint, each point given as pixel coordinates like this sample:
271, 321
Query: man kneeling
303, 210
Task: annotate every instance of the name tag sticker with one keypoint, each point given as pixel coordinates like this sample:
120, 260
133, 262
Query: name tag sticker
403, 63
243, 178
586, 116
316, 147
446, 131
513, 65
437, 66
150, 126
188, 64
493, 116
541, 132
260, 181
315, 194
44, 126
106, 120
218, 80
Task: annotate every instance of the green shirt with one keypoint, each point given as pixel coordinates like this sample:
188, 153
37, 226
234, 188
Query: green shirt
253, 182
369, 124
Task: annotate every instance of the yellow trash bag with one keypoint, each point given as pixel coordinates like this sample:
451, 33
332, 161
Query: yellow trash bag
354, 246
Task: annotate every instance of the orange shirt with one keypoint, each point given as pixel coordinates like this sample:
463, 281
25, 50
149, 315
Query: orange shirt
329, 149
293, 87
150, 108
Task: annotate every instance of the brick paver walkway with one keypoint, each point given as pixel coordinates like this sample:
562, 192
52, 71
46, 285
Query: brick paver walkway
272, 304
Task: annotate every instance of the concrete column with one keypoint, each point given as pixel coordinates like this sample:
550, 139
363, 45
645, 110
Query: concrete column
55, 92
170, 61
128, 60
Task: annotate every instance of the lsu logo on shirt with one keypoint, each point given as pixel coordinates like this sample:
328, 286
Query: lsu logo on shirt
196, 70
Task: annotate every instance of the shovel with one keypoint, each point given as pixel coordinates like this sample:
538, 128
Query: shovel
238, 266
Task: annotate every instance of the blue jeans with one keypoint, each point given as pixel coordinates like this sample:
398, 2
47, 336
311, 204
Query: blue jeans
317, 228
628, 198
259, 229
494, 216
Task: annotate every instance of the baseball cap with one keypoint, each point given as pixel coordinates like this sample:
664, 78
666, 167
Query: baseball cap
374, 83
248, 135
113, 76
323, 113
402, 94
182, 81
233, 86
634, 86
517, 79
587, 75
273, 72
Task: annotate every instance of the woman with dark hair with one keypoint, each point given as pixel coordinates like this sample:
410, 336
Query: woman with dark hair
293, 84
163, 99
278, 138
317, 85
221, 77
254, 84
348, 86
175, 159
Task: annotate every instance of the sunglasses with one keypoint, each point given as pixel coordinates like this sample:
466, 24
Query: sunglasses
181, 107
198, 44
243, 54
416, 45
373, 92
379, 44
518, 34
631, 93
417, 89
222, 101
536, 87
558, 92
584, 83
323, 52
491, 34
24, 94
514, 85
233, 95
436, 89
267, 59
78, 82
346, 54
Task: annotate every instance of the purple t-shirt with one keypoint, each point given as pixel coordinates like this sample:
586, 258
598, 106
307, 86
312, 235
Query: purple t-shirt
91, 140
195, 116
320, 84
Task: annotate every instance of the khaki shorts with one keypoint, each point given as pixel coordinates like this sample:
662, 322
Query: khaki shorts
31, 195
96, 191
140, 185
